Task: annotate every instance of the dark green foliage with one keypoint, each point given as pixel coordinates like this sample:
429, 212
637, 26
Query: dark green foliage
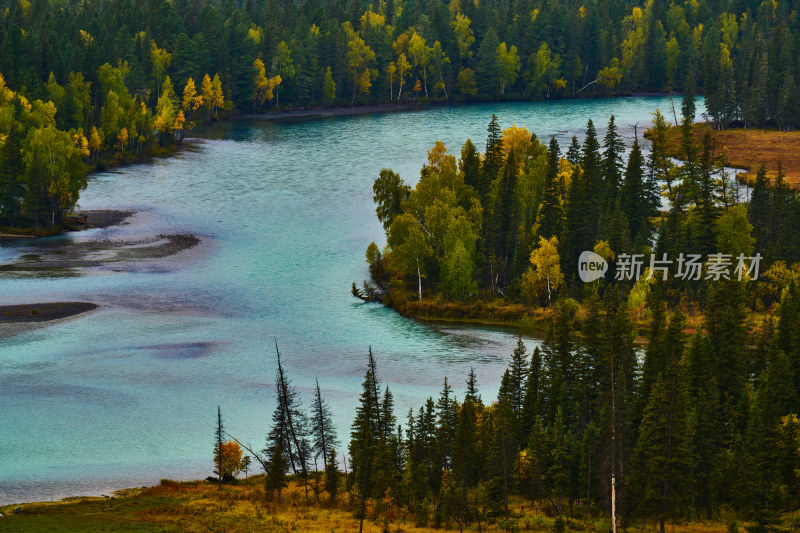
389, 193
551, 212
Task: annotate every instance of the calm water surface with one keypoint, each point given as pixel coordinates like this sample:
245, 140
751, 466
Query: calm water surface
127, 395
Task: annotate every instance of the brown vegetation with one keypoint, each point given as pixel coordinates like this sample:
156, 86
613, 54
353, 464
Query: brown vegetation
749, 149
244, 507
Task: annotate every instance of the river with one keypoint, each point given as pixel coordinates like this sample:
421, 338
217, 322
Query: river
127, 394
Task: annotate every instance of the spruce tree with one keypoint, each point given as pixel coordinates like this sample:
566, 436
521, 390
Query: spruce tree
550, 219
276, 475
592, 174
688, 103
531, 406
470, 165
11, 183
289, 429
364, 436
613, 150
574, 151
492, 158
638, 201
447, 419
219, 439
663, 456
323, 431
505, 221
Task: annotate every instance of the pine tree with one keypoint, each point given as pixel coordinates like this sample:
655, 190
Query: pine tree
638, 201
591, 166
550, 219
505, 221
614, 148
447, 419
518, 372
276, 475
688, 103
760, 211
574, 152
470, 165
531, 406
493, 157
364, 435
323, 431
219, 439
663, 455
289, 431
11, 183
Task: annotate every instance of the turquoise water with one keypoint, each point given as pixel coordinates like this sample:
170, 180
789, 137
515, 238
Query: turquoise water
127, 394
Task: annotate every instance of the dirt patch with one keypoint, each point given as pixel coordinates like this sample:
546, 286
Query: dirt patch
43, 312
64, 258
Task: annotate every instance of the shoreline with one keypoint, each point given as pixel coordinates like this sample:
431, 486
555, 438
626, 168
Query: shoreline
747, 150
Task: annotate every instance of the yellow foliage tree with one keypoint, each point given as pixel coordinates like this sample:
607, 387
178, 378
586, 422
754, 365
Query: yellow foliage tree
191, 100
95, 141
544, 276
122, 140
518, 138
264, 86
229, 457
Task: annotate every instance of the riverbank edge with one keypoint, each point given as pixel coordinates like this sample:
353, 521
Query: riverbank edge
742, 158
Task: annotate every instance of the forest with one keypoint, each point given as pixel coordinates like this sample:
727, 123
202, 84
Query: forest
693, 426
511, 224
103, 82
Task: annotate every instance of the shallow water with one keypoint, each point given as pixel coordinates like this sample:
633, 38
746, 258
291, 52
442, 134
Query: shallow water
127, 394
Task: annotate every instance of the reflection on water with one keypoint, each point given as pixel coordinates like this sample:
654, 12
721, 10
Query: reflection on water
128, 394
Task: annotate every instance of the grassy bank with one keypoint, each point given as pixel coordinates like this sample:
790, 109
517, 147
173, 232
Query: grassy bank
749, 149
243, 507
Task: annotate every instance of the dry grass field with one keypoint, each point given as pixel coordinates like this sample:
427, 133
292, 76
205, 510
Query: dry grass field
243, 507
749, 149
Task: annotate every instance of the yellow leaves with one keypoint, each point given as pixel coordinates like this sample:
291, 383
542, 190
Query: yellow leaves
161, 59
544, 276
26, 105
255, 34
191, 100
518, 139
603, 249
122, 140
86, 38
364, 82
400, 45
582, 12
464, 36
372, 19
610, 76
228, 457
205, 87
264, 86
636, 15
81, 143
213, 97
534, 15
6, 94
180, 121
165, 120
697, 35
95, 141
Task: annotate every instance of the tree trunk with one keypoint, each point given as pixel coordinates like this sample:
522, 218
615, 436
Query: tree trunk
419, 280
